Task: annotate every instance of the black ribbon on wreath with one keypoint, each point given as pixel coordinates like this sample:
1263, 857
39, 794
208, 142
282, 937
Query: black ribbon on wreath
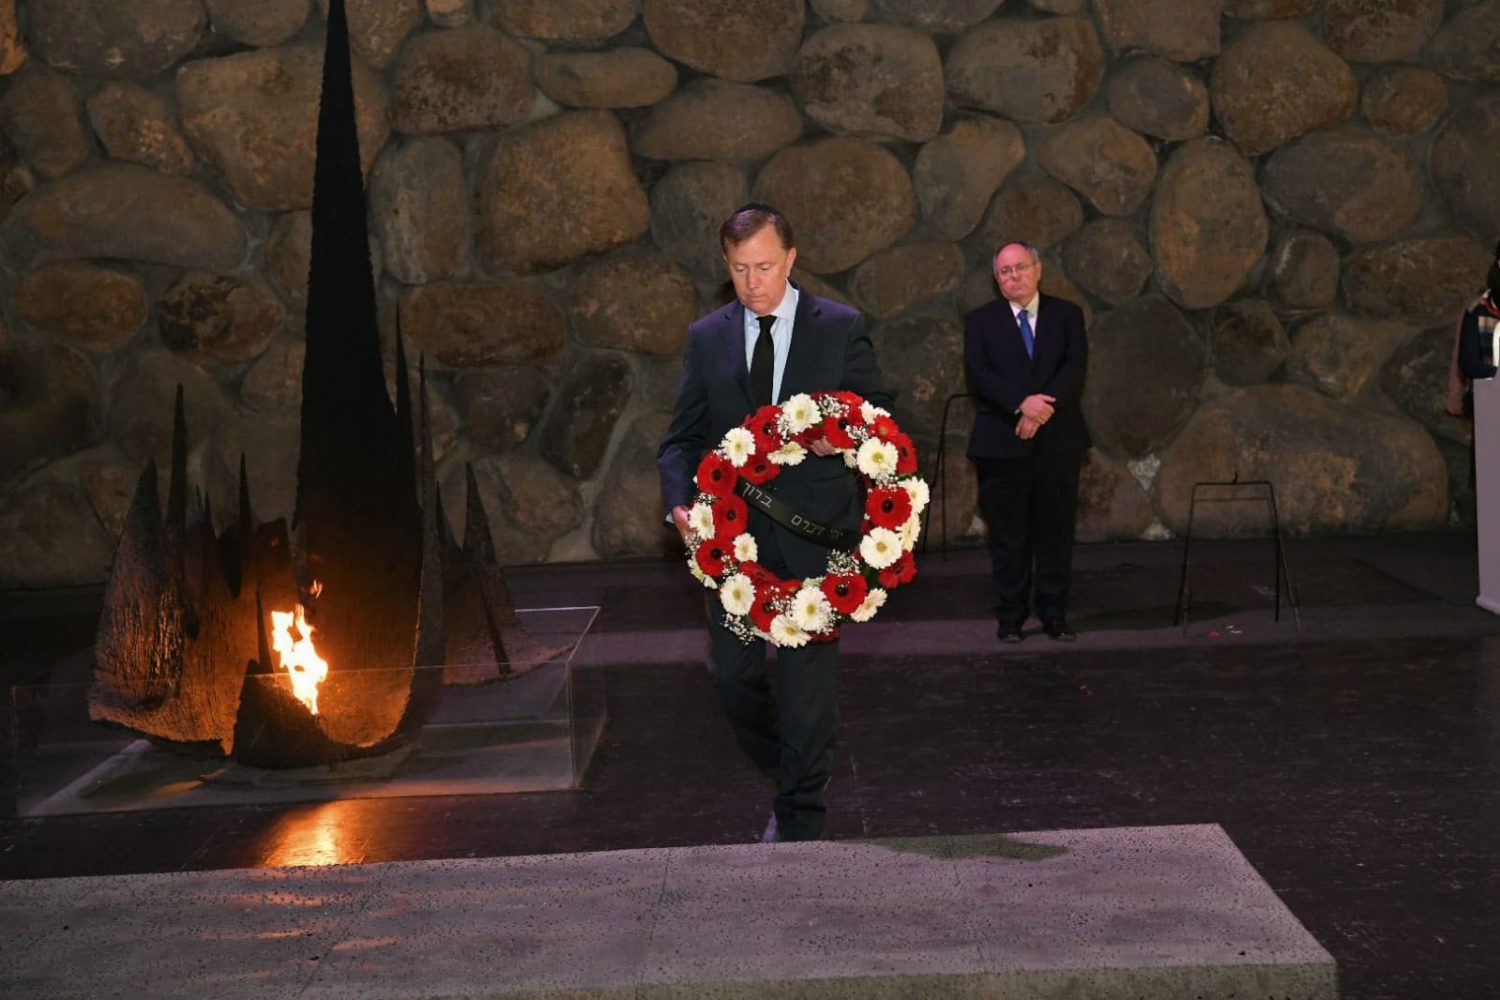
782, 513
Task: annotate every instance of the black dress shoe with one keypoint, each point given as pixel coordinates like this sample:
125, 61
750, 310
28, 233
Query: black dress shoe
1059, 630
1008, 633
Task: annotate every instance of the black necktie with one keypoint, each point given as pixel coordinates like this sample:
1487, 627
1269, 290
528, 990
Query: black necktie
763, 362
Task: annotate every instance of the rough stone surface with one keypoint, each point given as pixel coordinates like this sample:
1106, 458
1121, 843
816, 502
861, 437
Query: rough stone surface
928, 351
1102, 160
378, 27
736, 41
274, 383
1256, 10
471, 77
254, 117
110, 39
530, 504
849, 198
941, 16
450, 13
559, 190
1031, 208
271, 447
1347, 181
13, 54
1208, 228
840, 10
135, 124
1336, 469
688, 205
634, 300
627, 521
288, 255
1404, 100
1061, 6
1146, 365
804, 280
620, 78
871, 80
714, 120
1425, 279
259, 23
218, 319
420, 207
1338, 355
894, 280
1184, 30
39, 113
124, 211
1029, 71
1304, 270
109, 486
49, 537
463, 325
49, 406
575, 433
1158, 97
1379, 30
1415, 377
1111, 504
1055, 282
502, 406
1248, 343
1464, 49
1274, 82
97, 307
141, 404
957, 173
576, 22
1463, 166
1107, 260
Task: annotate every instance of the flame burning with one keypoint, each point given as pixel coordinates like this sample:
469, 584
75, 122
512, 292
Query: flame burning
292, 638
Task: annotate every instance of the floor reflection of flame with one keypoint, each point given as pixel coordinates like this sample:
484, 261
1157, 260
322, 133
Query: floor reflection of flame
327, 834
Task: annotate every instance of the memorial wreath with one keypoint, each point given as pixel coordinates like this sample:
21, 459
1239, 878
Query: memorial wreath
862, 565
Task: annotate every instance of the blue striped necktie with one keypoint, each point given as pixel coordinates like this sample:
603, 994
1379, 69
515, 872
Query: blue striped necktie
1027, 337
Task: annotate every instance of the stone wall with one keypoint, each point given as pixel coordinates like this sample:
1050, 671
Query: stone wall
1271, 209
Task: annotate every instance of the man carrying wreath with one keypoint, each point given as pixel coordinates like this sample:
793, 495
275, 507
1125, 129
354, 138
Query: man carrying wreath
773, 341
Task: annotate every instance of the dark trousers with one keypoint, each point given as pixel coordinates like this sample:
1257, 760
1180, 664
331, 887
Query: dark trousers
1029, 506
788, 732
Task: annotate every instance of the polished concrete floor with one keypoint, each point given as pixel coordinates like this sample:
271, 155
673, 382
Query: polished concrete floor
1355, 761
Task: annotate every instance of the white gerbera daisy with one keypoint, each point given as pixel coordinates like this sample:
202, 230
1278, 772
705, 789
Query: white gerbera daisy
869, 411
811, 610
699, 575
880, 547
745, 549
910, 532
701, 521
917, 490
871, 604
877, 459
737, 594
790, 453
850, 459
739, 445
799, 413
786, 633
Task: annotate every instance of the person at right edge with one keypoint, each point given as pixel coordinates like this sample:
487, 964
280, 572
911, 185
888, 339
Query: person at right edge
1474, 351
1024, 359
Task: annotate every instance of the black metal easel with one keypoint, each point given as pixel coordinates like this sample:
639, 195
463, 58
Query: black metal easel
1282, 573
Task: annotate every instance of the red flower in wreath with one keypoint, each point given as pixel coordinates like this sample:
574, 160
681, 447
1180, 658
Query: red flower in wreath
716, 475
884, 427
764, 424
835, 432
731, 517
906, 454
888, 507
770, 593
845, 591
758, 468
899, 572
710, 556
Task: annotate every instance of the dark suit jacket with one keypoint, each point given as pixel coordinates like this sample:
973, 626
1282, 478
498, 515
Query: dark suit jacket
830, 350
1001, 375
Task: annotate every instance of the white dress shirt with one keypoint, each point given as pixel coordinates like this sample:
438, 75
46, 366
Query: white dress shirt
781, 337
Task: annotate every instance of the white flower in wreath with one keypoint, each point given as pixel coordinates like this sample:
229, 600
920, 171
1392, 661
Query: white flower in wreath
869, 411
745, 549
701, 521
699, 575
850, 459
910, 532
737, 595
917, 490
800, 413
739, 445
811, 610
786, 633
877, 459
790, 453
872, 603
880, 548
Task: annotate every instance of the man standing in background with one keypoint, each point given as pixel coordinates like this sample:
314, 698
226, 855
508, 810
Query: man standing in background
1024, 358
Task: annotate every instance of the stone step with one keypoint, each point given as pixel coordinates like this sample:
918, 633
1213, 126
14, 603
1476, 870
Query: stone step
1145, 912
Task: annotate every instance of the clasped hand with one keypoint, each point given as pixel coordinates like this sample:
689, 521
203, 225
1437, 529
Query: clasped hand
1036, 410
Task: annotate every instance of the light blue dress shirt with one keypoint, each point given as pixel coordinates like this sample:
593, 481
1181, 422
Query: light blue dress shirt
781, 337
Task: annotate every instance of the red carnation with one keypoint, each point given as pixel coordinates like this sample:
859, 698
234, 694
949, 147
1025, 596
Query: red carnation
845, 591
759, 469
888, 507
710, 556
899, 572
716, 475
834, 433
731, 516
